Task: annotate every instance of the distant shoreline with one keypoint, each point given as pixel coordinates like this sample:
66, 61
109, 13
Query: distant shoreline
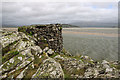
90, 28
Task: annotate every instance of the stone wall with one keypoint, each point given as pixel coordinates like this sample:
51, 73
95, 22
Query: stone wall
47, 35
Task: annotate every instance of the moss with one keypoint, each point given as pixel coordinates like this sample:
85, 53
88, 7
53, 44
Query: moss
7, 48
64, 51
15, 52
19, 28
55, 54
78, 72
8, 34
73, 71
25, 39
38, 60
74, 57
9, 55
118, 66
29, 73
115, 66
16, 73
60, 28
29, 59
90, 62
22, 29
66, 73
30, 33
45, 75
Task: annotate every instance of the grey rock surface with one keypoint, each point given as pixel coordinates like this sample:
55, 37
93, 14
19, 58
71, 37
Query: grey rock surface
22, 57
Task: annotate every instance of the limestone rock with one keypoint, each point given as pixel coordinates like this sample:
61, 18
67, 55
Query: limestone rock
50, 51
49, 69
40, 54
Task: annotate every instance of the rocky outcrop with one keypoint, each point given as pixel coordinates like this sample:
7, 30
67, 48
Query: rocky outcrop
23, 58
20, 55
85, 67
49, 69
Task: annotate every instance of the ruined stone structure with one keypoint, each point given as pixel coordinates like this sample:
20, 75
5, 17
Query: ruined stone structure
47, 35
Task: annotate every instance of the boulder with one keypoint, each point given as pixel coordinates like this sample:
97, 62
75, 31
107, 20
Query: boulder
49, 69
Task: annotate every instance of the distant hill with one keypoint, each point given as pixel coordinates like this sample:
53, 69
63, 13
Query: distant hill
95, 24
78, 25
9, 26
68, 26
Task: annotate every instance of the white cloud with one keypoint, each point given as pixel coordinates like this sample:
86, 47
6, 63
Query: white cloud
21, 13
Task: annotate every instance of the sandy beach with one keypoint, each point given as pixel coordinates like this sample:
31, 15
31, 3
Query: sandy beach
83, 31
9, 29
88, 33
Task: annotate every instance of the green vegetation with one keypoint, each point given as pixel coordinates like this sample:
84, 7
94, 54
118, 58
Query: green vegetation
115, 66
16, 73
45, 75
25, 39
9, 55
63, 51
78, 72
53, 55
29, 73
66, 73
23, 29
37, 62
60, 28
8, 48
30, 33
9, 34
118, 66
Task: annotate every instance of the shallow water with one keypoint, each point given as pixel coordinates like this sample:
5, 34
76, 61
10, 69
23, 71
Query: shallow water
98, 47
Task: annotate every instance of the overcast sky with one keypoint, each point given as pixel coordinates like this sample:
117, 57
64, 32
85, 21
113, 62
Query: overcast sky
24, 13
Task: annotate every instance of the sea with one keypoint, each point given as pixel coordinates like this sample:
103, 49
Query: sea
98, 43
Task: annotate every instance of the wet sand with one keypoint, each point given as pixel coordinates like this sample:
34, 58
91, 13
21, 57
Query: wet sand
88, 33
91, 33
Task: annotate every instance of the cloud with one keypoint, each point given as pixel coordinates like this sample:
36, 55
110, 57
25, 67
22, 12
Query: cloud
26, 13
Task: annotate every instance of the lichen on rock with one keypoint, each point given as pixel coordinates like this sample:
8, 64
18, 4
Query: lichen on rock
37, 51
49, 69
